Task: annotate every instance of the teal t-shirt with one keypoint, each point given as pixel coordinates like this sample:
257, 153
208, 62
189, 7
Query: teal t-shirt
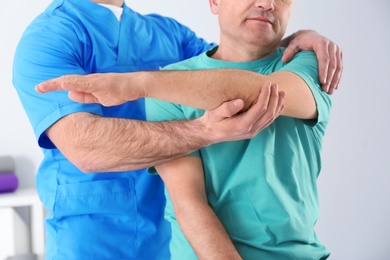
264, 189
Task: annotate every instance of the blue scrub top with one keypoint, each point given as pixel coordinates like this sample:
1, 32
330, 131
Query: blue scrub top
105, 215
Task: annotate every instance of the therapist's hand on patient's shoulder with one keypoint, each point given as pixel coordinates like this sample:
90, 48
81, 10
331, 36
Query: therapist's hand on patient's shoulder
329, 55
108, 89
228, 123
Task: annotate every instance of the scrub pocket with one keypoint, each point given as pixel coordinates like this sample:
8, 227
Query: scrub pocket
96, 220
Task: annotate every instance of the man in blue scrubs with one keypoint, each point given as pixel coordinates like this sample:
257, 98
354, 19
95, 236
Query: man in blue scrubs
111, 215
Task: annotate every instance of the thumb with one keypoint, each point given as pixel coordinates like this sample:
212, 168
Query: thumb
227, 109
289, 52
234, 106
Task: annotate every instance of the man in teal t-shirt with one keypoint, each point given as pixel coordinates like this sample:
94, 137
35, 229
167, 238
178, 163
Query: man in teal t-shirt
263, 191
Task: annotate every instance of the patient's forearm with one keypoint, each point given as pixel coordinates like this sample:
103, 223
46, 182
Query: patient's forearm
207, 89
205, 231
204, 89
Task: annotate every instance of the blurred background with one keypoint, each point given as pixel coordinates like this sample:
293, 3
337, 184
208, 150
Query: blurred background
353, 185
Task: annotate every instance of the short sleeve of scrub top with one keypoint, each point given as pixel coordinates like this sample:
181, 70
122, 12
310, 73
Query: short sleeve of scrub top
46, 52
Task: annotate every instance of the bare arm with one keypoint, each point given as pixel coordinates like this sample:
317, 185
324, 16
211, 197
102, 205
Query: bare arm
204, 89
207, 89
184, 181
96, 144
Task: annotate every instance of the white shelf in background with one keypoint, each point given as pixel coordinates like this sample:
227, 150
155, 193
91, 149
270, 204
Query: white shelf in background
28, 198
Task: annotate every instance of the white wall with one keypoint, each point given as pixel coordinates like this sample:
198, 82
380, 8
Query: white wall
16, 135
354, 194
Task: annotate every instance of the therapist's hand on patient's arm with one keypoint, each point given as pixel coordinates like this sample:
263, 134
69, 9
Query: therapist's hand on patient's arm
329, 55
225, 123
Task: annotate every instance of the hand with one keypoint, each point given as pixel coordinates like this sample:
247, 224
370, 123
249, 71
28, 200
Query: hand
109, 89
225, 124
329, 55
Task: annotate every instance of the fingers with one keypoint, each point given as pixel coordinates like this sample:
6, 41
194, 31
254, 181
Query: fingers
322, 53
267, 108
224, 124
340, 68
67, 82
330, 65
82, 97
93, 88
290, 51
73, 83
277, 105
256, 112
273, 110
48, 85
336, 71
329, 55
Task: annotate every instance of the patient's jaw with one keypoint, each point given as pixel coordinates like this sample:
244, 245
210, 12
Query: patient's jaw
250, 29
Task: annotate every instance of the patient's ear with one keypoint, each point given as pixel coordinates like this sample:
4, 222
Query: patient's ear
214, 6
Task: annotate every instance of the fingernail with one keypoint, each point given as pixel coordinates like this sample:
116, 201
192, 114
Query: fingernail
237, 102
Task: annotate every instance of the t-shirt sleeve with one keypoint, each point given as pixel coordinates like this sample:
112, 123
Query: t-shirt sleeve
305, 65
47, 50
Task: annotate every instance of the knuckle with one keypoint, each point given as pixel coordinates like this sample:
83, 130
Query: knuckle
246, 129
324, 41
325, 58
333, 66
69, 78
263, 108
